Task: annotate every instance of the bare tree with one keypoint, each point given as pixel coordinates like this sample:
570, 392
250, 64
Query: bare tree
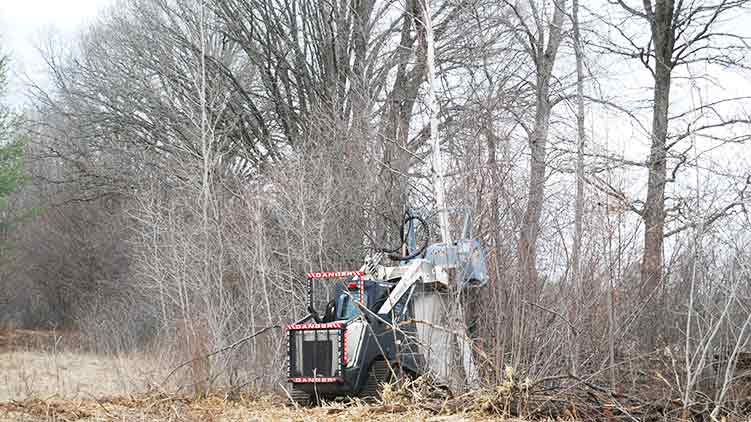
540, 40
680, 34
579, 204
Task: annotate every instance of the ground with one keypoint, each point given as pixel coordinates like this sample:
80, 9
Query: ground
214, 408
41, 380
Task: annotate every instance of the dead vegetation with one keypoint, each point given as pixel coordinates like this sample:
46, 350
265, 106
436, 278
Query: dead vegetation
36, 364
517, 398
216, 407
14, 339
650, 389
40, 379
164, 216
417, 400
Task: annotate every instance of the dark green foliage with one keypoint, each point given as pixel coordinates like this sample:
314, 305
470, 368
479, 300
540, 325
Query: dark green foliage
11, 145
11, 168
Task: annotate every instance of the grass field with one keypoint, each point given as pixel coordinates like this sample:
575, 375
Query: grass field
42, 379
28, 374
214, 409
44, 364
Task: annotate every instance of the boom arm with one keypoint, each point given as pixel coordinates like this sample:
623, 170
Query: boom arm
417, 270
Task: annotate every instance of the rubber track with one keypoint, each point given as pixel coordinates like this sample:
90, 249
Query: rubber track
378, 375
300, 397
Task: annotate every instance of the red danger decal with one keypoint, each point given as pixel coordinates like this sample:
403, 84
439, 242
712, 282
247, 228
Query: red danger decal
334, 274
313, 380
326, 326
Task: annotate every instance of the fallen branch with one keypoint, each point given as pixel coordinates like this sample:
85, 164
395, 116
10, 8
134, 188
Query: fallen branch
216, 352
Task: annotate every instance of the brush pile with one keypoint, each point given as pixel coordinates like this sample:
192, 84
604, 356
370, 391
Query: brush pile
217, 407
649, 389
652, 393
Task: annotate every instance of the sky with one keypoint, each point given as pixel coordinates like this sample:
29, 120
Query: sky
25, 23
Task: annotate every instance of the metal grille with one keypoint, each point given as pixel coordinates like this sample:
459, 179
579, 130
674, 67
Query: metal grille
316, 360
315, 353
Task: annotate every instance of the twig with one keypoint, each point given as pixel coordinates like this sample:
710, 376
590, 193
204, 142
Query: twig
100, 404
566, 320
223, 349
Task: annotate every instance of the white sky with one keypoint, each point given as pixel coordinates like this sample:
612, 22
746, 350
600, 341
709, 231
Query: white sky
24, 23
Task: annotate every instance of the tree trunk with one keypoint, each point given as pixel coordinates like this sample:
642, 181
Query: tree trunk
395, 122
576, 279
544, 57
530, 228
654, 207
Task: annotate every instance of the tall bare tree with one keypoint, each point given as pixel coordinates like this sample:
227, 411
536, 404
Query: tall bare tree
576, 285
680, 34
540, 40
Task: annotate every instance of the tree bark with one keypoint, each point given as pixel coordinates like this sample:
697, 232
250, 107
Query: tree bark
544, 58
530, 229
395, 122
576, 284
654, 207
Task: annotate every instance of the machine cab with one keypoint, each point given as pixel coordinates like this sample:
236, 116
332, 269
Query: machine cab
327, 342
354, 298
347, 300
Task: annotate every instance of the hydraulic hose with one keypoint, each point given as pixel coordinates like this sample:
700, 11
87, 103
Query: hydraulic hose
393, 253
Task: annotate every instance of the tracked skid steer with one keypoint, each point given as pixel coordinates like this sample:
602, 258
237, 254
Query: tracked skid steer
384, 323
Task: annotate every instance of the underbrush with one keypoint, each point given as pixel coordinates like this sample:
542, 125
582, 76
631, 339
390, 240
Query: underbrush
45, 372
653, 392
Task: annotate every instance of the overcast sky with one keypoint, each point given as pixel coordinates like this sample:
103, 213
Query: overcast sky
23, 23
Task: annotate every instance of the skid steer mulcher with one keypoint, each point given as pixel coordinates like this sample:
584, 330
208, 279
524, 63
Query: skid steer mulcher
384, 322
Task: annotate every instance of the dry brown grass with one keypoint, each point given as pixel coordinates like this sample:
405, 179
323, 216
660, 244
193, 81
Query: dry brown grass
214, 408
45, 377
26, 374
39, 385
45, 364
